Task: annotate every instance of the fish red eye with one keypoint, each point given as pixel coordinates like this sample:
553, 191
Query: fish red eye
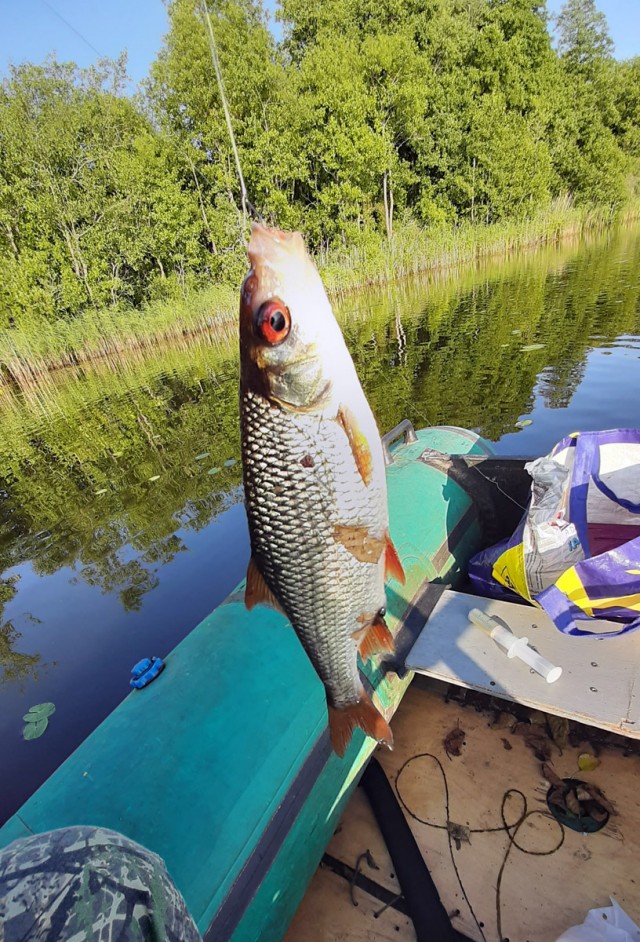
273, 321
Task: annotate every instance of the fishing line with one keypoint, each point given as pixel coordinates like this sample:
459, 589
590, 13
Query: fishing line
71, 27
510, 829
246, 205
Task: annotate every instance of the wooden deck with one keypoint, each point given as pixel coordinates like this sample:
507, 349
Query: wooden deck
541, 896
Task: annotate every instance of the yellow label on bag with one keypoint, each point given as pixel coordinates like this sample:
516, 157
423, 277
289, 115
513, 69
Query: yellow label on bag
509, 570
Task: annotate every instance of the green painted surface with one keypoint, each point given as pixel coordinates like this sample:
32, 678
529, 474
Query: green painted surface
195, 765
13, 830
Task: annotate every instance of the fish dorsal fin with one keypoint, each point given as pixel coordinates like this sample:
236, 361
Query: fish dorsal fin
358, 442
257, 590
361, 715
392, 565
376, 639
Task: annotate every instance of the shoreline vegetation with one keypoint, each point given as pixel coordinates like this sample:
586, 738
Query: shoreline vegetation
399, 137
28, 354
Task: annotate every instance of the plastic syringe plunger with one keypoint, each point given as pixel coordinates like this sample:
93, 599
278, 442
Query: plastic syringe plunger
513, 646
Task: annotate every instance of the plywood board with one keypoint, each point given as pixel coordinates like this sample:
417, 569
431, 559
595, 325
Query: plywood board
600, 677
541, 896
328, 915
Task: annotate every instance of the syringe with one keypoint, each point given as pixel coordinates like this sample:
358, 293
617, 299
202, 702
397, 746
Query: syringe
513, 646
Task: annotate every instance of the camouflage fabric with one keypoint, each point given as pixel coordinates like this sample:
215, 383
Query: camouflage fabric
85, 884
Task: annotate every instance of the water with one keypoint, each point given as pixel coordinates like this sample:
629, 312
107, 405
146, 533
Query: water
121, 524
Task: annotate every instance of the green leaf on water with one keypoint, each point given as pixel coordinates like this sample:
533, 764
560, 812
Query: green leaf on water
229, 463
202, 456
214, 470
532, 346
155, 477
35, 730
41, 709
522, 423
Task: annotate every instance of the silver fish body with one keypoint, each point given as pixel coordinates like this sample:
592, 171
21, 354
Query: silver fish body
314, 478
302, 485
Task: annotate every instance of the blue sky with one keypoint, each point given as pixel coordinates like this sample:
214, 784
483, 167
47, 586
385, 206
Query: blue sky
79, 29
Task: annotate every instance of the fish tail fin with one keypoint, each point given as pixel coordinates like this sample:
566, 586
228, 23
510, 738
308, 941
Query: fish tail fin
377, 640
361, 715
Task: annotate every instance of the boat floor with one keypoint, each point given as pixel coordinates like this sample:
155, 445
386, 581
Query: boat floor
544, 889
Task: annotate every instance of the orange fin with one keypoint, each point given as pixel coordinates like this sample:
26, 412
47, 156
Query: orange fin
361, 715
359, 444
257, 589
377, 639
392, 565
360, 543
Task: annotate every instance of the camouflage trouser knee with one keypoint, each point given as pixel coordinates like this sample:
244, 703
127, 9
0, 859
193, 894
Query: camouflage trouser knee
85, 884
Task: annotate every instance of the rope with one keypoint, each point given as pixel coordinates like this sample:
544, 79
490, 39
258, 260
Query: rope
510, 829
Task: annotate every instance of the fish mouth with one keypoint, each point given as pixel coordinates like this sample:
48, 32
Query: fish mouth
274, 246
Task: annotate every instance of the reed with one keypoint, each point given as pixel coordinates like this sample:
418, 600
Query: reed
30, 352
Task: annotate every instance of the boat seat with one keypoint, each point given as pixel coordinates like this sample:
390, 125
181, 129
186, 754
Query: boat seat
600, 677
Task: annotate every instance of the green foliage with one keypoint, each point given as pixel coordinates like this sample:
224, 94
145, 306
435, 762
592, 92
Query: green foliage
583, 34
367, 119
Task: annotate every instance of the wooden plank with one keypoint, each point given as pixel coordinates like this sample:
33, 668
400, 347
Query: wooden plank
600, 677
328, 915
541, 896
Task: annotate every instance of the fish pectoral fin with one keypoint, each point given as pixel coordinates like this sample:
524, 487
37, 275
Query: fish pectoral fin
358, 442
361, 715
360, 542
374, 638
392, 565
257, 590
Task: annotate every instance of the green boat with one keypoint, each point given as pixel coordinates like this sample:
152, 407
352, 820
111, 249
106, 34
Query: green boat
223, 766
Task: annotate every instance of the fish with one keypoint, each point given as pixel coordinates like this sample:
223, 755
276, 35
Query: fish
314, 479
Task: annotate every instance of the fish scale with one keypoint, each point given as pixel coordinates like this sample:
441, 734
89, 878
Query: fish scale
293, 505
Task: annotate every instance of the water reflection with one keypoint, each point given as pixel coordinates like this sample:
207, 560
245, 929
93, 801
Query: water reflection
120, 517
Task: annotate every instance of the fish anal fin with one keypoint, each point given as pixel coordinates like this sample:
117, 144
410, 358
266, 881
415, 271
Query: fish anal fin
392, 565
358, 442
360, 542
361, 715
257, 590
377, 639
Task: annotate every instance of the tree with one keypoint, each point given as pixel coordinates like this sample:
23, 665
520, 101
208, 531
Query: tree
583, 34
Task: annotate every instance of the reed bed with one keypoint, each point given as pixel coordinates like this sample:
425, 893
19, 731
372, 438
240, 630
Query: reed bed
29, 353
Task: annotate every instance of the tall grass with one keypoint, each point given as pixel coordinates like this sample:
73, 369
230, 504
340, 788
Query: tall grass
30, 352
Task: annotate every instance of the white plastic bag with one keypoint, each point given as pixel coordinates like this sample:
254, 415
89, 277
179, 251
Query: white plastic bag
609, 924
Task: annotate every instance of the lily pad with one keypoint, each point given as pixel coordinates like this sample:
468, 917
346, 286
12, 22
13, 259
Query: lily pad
155, 477
229, 463
214, 470
41, 709
532, 346
35, 730
202, 456
523, 423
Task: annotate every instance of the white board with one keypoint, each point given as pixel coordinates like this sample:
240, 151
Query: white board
599, 683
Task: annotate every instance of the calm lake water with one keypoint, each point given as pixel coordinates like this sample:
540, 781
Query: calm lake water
121, 522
